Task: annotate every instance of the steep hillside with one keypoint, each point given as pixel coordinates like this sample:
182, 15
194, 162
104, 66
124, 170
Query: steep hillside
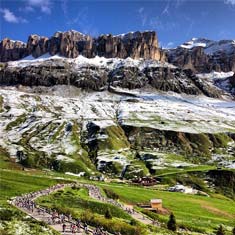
66, 129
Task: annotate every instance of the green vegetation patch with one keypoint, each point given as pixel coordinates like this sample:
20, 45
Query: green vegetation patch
20, 119
116, 139
79, 200
1, 103
191, 211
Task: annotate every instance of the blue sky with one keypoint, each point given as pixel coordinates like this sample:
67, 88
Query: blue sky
175, 21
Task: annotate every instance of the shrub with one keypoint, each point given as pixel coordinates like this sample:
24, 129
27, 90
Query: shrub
8, 214
133, 222
171, 225
111, 194
152, 215
108, 214
112, 226
220, 231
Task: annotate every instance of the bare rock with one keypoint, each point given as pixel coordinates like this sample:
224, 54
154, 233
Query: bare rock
12, 50
71, 44
37, 45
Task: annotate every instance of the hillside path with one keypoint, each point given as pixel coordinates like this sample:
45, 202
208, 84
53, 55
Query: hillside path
26, 203
95, 193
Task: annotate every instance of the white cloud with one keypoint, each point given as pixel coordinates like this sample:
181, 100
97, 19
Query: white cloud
166, 45
140, 10
166, 10
159, 24
170, 44
26, 9
143, 16
44, 5
232, 2
64, 7
84, 22
178, 3
10, 17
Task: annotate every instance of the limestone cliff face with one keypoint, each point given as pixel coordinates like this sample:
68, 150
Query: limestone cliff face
135, 45
37, 46
71, 44
12, 50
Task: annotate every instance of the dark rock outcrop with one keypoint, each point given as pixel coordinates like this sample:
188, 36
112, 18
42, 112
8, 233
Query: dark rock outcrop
227, 84
91, 77
12, 50
187, 144
50, 75
217, 56
71, 44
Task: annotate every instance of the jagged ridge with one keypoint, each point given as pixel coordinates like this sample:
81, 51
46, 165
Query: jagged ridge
203, 55
72, 43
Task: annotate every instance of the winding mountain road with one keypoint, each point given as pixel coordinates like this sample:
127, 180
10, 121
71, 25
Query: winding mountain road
95, 193
26, 203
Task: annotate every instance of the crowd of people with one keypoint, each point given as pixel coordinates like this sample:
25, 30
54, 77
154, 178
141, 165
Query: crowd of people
95, 192
52, 217
68, 224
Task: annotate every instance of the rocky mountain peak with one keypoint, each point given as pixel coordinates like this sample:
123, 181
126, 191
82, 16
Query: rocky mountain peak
12, 50
196, 42
203, 55
72, 43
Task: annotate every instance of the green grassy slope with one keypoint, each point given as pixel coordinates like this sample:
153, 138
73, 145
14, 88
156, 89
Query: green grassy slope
192, 211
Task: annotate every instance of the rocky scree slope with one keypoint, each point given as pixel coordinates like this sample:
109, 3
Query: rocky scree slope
80, 111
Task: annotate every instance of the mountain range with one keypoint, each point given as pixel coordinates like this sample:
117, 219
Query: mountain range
120, 104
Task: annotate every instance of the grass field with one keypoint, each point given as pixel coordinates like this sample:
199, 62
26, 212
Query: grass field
13, 221
15, 183
197, 213
192, 211
171, 171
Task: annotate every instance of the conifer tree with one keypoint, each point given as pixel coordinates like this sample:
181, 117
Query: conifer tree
108, 214
171, 225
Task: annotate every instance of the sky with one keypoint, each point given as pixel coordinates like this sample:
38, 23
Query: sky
175, 21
